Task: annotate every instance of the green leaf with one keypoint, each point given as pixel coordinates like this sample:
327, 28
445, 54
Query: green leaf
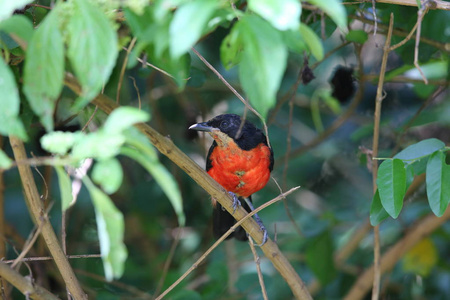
438, 183
108, 174
319, 257
123, 118
10, 104
188, 24
8, 7
5, 161
263, 61
18, 26
92, 49
282, 14
357, 36
377, 213
334, 9
391, 183
60, 142
65, 187
44, 69
149, 161
312, 41
420, 149
110, 226
99, 145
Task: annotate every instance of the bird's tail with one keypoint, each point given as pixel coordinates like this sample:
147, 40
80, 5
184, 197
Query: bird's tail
222, 221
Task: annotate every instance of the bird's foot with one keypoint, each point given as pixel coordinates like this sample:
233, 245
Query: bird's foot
236, 202
260, 223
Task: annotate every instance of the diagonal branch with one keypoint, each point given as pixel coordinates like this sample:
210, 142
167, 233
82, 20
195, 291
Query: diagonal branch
169, 149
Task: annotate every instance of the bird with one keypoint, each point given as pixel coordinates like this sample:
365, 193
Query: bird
240, 160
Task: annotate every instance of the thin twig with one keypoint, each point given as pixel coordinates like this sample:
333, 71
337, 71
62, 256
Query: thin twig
258, 268
45, 258
124, 66
137, 91
28, 245
374, 12
221, 239
90, 119
376, 137
168, 261
420, 14
233, 90
288, 211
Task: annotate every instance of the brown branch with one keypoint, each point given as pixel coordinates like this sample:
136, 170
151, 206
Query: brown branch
435, 4
23, 284
37, 211
168, 148
419, 231
376, 137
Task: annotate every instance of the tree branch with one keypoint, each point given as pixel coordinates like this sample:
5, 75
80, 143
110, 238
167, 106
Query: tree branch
38, 215
24, 285
168, 148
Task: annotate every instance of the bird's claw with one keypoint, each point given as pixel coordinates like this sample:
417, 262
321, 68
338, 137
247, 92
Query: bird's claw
236, 202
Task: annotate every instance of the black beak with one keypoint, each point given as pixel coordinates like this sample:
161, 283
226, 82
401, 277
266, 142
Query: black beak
201, 127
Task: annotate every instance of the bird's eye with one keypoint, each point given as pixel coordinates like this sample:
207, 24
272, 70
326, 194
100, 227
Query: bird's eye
224, 125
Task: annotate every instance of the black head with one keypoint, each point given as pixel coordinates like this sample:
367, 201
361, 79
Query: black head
249, 137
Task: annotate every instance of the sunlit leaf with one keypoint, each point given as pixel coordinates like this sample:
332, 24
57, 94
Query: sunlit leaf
108, 174
8, 7
188, 24
313, 42
123, 118
282, 14
44, 69
357, 36
111, 227
334, 9
420, 149
18, 26
92, 48
10, 104
263, 61
438, 183
391, 181
99, 145
60, 142
65, 187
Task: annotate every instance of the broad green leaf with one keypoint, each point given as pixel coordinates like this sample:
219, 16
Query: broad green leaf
431, 70
18, 26
334, 9
319, 257
357, 36
377, 213
5, 161
65, 187
282, 14
391, 182
10, 104
123, 118
44, 69
293, 39
99, 145
111, 227
188, 24
108, 174
7, 7
312, 40
159, 173
92, 48
438, 183
60, 142
263, 61
420, 149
